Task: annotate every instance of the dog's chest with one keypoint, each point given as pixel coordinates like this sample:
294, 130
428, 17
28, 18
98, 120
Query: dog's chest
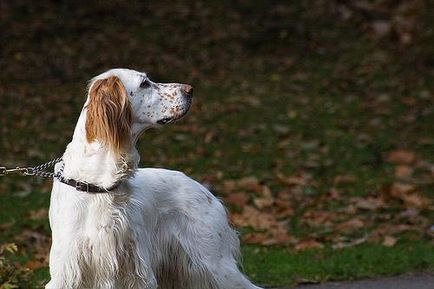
108, 244
106, 230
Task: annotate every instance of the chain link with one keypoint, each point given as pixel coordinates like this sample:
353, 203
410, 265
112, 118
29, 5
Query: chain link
34, 171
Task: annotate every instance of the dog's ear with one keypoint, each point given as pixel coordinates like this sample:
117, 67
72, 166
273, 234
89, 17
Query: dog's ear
109, 114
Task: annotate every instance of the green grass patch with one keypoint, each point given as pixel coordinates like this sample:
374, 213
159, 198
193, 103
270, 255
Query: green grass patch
281, 267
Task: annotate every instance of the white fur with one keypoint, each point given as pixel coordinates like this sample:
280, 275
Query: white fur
159, 228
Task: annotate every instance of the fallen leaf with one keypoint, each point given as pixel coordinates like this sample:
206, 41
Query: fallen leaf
400, 157
400, 189
266, 199
38, 214
254, 218
403, 171
389, 229
35, 264
266, 192
250, 183
334, 194
238, 199
254, 238
381, 28
284, 209
344, 179
261, 203
408, 194
368, 203
301, 180
281, 130
308, 244
319, 218
229, 186
209, 136
341, 244
410, 213
416, 200
389, 241
7, 225
279, 236
9, 247
350, 225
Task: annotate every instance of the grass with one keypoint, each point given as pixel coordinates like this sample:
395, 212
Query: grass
274, 266
326, 101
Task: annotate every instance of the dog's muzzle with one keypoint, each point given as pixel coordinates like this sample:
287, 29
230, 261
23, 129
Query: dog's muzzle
187, 93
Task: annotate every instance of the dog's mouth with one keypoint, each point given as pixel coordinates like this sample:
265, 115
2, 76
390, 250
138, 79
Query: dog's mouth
166, 120
171, 119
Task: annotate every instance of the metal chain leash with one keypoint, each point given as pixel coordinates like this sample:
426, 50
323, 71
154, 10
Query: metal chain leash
39, 170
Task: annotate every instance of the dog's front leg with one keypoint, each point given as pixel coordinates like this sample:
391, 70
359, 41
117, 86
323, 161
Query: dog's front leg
64, 266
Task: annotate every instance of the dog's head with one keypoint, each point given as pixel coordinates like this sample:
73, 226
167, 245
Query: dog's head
122, 103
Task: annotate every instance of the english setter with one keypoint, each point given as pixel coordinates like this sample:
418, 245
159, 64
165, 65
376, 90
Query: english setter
115, 226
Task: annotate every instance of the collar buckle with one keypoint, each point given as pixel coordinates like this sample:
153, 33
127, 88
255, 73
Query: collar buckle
82, 186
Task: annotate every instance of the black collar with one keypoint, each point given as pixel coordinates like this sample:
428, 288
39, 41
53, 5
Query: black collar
83, 186
86, 187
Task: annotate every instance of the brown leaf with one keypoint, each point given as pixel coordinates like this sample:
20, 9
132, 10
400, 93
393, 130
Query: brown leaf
389, 241
38, 214
238, 199
250, 183
401, 157
35, 264
352, 243
209, 136
308, 244
254, 218
276, 235
280, 236
389, 229
381, 28
408, 194
7, 225
267, 199
368, 203
319, 218
284, 213
403, 171
344, 179
254, 238
416, 200
266, 192
350, 225
261, 203
301, 180
229, 186
334, 194
398, 190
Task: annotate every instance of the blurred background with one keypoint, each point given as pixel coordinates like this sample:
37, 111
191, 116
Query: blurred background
311, 120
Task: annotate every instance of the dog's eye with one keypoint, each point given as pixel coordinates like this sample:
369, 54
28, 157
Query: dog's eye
145, 84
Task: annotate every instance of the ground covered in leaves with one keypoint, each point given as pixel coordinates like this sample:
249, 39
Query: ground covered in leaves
313, 121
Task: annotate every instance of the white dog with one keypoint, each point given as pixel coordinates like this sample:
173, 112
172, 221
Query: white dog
116, 226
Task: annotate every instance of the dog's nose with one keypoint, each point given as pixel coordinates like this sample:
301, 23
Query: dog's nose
187, 89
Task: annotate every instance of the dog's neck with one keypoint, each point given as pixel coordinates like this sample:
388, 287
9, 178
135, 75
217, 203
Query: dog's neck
95, 163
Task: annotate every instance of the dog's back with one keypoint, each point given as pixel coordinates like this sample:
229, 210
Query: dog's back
195, 245
191, 232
